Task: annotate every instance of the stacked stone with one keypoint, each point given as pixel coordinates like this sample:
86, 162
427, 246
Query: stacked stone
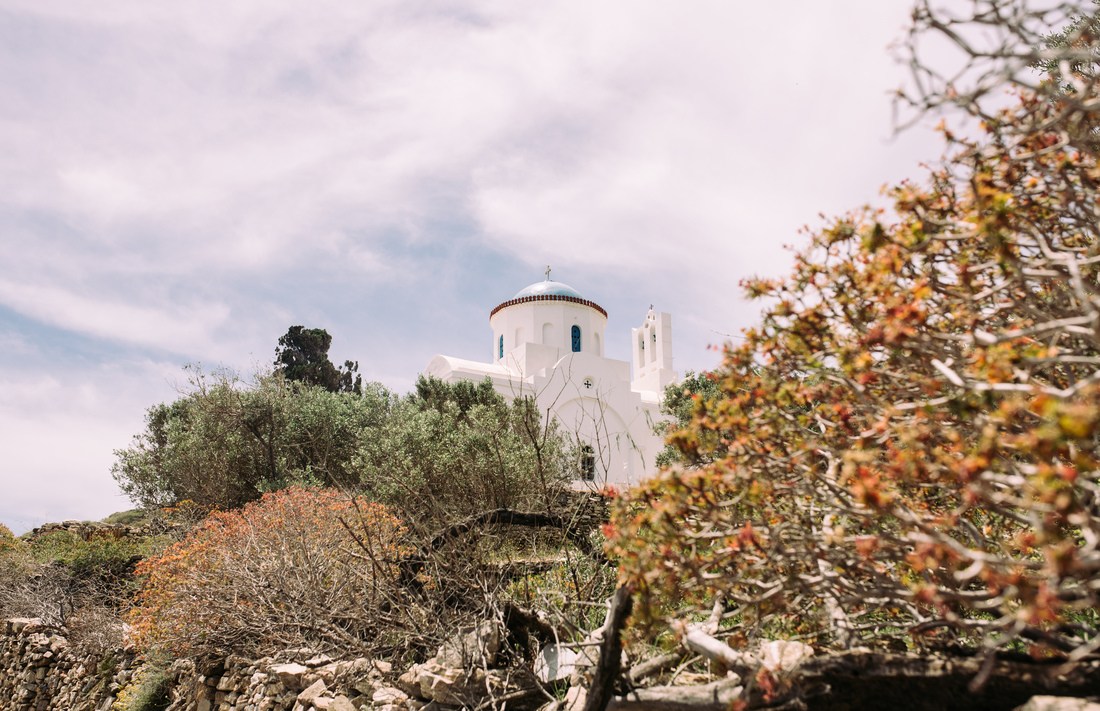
299, 679
38, 671
462, 674
89, 530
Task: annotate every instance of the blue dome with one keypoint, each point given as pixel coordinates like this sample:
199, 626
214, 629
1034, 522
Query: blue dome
548, 288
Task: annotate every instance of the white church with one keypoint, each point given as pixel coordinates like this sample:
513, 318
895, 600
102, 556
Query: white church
548, 343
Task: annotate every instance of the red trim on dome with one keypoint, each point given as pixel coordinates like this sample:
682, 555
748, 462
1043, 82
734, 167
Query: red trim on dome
549, 297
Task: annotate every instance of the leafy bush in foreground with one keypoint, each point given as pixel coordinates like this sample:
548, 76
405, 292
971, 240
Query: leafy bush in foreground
908, 445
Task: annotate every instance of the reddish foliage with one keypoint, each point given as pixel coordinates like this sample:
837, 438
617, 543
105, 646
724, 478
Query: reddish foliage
299, 566
910, 434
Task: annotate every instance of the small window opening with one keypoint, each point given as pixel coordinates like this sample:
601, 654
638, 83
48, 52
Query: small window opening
576, 332
500, 347
588, 463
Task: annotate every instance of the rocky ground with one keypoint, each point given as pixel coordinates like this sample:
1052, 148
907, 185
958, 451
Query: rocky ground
40, 672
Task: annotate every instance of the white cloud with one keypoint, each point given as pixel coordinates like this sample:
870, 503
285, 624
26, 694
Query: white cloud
604, 131
190, 178
721, 135
181, 327
60, 431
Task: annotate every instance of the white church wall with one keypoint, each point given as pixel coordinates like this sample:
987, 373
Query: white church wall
548, 323
652, 347
594, 399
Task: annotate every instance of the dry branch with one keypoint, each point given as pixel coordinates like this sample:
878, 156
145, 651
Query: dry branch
606, 673
719, 652
717, 695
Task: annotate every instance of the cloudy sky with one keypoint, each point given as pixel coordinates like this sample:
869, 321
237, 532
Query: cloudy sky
183, 181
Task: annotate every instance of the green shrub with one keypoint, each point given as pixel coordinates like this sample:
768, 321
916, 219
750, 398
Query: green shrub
452, 450
132, 517
8, 541
100, 557
148, 690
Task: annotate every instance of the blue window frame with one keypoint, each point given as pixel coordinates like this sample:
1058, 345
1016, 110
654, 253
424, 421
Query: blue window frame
500, 347
576, 332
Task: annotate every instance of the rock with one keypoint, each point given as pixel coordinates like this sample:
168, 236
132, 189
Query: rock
440, 683
342, 703
478, 647
1058, 703
409, 682
17, 625
312, 692
783, 655
555, 662
365, 687
327, 672
289, 674
449, 685
388, 695
575, 698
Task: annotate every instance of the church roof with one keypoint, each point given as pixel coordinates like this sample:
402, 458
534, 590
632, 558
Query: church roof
548, 288
548, 291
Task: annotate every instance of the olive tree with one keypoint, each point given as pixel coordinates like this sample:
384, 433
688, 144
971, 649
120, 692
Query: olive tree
225, 442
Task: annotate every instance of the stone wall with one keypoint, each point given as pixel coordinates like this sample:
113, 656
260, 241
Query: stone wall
300, 680
39, 671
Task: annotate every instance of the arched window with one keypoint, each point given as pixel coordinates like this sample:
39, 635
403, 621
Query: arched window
588, 463
576, 331
500, 347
